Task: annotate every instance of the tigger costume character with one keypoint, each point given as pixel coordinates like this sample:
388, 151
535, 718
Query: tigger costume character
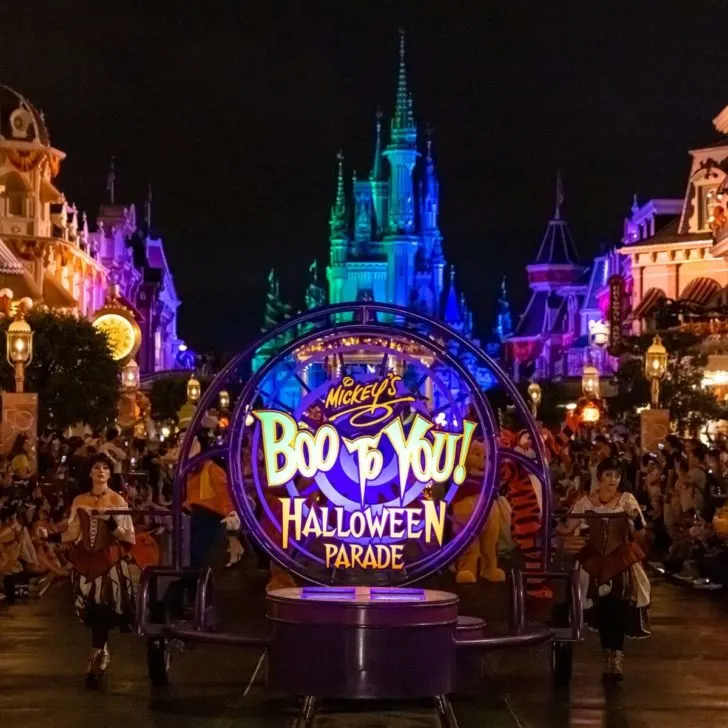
523, 492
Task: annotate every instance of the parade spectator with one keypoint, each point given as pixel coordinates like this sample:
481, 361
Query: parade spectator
19, 458
697, 476
112, 447
601, 450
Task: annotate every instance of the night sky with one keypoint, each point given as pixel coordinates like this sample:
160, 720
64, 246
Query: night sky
235, 111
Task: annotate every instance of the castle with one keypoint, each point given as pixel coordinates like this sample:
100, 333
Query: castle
385, 240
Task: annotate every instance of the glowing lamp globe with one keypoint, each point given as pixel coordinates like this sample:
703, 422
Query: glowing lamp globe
656, 360
193, 389
590, 381
19, 341
590, 414
130, 376
224, 400
534, 393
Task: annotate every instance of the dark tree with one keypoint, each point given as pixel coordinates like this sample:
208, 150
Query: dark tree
681, 390
72, 371
168, 395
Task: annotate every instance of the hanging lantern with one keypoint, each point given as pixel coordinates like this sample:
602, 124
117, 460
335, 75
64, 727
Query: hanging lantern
193, 390
130, 376
590, 381
224, 400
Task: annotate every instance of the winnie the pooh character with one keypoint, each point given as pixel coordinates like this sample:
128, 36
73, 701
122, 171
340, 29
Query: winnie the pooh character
482, 551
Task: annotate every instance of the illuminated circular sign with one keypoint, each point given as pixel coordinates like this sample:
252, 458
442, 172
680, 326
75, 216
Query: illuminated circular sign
122, 334
353, 440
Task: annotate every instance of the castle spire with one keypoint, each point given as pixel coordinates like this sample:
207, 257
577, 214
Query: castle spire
452, 308
271, 317
148, 208
337, 222
504, 322
315, 295
377, 174
403, 118
429, 190
111, 180
559, 195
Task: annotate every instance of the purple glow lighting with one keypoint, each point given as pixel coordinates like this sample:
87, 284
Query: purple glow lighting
368, 500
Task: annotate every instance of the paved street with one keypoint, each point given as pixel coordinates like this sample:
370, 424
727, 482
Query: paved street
675, 679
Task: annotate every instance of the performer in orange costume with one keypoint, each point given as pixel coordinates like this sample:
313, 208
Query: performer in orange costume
522, 491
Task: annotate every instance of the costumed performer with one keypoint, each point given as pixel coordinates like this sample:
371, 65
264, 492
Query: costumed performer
102, 586
615, 588
480, 557
524, 493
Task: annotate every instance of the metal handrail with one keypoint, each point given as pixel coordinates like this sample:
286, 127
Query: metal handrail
204, 582
148, 575
532, 636
517, 601
576, 612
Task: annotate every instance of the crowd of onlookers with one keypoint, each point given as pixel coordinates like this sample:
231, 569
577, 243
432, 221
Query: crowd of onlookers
682, 489
36, 501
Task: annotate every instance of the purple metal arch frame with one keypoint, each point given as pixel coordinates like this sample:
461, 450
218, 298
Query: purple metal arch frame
474, 525
364, 321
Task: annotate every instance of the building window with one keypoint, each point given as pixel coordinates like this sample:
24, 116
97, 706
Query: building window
707, 201
16, 195
15, 203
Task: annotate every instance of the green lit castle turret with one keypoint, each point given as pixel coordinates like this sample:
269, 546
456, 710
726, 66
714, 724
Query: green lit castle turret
385, 243
389, 248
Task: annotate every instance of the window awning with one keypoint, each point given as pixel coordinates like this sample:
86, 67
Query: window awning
700, 291
649, 303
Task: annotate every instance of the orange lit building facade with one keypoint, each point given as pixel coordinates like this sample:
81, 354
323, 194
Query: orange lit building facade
49, 254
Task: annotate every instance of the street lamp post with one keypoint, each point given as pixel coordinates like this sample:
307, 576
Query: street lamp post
590, 381
655, 368
19, 347
193, 390
130, 376
534, 394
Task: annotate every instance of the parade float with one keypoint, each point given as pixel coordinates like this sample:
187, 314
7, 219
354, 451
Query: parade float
349, 457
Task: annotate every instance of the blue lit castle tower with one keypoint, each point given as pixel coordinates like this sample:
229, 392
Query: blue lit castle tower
390, 248
385, 241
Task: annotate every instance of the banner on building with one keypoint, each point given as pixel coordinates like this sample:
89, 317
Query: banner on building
615, 314
654, 428
20, 417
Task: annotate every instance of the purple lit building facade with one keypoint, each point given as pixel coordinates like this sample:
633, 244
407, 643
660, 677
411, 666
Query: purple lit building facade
558, 333
672, 249
49, 253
